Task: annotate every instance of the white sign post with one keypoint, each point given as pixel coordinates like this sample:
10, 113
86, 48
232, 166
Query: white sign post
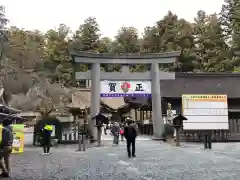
125, 88
205, 112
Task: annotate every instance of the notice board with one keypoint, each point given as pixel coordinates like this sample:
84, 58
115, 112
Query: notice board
205, 112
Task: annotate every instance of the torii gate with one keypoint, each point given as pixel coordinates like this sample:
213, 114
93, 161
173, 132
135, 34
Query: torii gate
154, 75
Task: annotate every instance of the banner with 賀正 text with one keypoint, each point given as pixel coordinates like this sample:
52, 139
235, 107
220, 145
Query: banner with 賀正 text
125, 88
18, 137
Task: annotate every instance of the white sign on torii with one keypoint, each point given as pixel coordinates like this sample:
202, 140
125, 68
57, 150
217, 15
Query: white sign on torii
125, 88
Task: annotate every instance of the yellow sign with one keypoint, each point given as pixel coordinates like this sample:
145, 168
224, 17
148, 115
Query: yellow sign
18, 137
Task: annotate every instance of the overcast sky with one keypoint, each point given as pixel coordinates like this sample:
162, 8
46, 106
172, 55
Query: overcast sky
110, 14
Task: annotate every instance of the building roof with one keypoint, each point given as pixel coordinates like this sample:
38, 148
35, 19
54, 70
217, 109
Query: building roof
202, 83
114, 103
82, 99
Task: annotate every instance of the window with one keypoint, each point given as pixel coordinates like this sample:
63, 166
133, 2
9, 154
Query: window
82, 83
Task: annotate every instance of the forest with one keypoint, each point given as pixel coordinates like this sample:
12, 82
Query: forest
39, 65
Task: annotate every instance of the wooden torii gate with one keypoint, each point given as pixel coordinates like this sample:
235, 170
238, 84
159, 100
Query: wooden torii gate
154, 75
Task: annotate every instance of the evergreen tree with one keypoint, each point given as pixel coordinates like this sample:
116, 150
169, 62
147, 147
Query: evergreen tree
86, 38
212, 52
57, 55
3, 31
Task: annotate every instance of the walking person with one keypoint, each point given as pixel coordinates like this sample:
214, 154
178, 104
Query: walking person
6, 147
130, 133
115, 131
46, 139
105, 128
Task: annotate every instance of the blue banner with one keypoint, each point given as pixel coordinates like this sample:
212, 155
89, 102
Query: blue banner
123, 95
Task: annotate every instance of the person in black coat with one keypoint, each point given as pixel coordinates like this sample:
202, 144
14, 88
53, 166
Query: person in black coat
45, 135
6, 146
130, 133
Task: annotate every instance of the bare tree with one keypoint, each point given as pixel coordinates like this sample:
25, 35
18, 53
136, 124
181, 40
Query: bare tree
23, 102
44, 97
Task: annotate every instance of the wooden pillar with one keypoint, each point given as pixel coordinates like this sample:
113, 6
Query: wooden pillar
136, 114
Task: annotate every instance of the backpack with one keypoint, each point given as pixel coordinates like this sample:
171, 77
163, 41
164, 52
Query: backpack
9, 140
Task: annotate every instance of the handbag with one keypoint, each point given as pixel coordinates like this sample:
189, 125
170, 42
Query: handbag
121, 131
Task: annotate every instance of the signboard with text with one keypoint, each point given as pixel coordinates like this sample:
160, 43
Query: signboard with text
205, 111
18, 137
125, 88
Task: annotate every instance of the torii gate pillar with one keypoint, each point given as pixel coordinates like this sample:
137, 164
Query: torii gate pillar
158, 122
154, 75
95, 94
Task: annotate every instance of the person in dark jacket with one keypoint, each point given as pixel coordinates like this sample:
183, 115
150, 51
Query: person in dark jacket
46, 139
130, 133
115, 131
6, 147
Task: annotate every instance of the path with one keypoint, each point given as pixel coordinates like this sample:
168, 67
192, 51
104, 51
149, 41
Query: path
154, 161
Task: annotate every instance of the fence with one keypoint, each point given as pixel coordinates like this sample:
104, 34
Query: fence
231, 135
72, 135
69, 137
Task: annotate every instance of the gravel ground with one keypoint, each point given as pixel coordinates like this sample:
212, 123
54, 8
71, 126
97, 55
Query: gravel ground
154, 161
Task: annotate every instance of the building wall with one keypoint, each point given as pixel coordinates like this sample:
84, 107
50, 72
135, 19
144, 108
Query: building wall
233, 106
84, 83
177, 104
195, 83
